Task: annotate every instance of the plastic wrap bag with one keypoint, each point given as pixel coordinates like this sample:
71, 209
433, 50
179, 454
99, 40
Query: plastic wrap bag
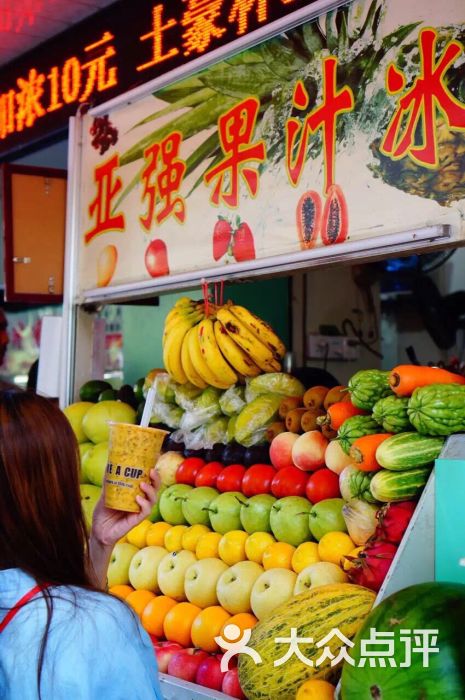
253, 420
164, 388
167, 413
275, 383
232, 401
216, 432
185, 395
205, 408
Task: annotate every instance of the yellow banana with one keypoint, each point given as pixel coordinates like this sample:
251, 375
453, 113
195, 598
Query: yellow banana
192, 376
182, 304
200, 364
262, 330
258, 352
212, 353
234, 354
194, 315
172, 350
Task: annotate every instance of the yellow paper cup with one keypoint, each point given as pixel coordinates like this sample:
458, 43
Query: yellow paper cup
132, 453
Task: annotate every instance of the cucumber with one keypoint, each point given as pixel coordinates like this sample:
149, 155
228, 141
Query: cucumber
389, 486
408, 451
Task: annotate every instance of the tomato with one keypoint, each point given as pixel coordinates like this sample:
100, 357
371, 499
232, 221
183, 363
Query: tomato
208, 474
322, 484
187, 471
257, 479
230, 478
289, 481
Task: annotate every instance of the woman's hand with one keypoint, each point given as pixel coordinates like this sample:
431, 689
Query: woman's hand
108, 525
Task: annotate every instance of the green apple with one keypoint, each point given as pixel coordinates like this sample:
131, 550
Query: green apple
155, 515
272, 588
289, 520
319, 574
94, 463
120, 561
90, 494
143, 570
201, 579
95, 422
255, 513
172, 572
196, 503
225, 511
326, 516
234, 587
167, 465
84, 447
170, 504
75, 413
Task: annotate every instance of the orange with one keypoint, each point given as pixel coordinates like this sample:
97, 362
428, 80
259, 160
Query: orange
255, 545
155, 612
305, 554
333, 546
121, 590
173, 538
231, 547
139, 599
137, 535
316, 689
207, 545
245, 621
178, 622
208, 625
278, 556
156, 534
192, 535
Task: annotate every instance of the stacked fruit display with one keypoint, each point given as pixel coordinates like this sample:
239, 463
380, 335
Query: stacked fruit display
89, 421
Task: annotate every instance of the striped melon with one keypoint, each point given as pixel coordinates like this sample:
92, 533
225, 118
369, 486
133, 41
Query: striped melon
314, 614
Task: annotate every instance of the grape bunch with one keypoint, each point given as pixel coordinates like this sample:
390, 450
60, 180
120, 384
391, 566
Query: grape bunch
104, 134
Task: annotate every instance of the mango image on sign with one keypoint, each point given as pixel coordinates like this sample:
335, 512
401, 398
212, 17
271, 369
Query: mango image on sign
106, 265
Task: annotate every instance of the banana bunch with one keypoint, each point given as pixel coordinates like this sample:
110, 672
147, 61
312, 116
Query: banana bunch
218, 349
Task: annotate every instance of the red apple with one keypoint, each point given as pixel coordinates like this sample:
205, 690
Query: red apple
257, 479
230, 478
308, 451
209, 673
289, 481
185, 663
164, 652
156, 259
281, 450
208, 474
187, 471
231, 685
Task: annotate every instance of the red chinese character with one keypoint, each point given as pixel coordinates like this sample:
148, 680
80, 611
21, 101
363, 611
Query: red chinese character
108, 187
297, 133
7, 113
99, 77
162, 185
236, 129
199, 18
29, 107
420, 104
240, 12
156, 35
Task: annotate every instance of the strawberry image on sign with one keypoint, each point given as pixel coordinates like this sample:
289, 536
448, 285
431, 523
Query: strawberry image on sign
243, 247
221, 237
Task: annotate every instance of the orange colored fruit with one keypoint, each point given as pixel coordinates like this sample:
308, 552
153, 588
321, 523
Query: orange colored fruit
156, 534
154, 613
208, 625
139, 599
178, 623
316, 689
333, 546
278, 556
245, 621
121, 590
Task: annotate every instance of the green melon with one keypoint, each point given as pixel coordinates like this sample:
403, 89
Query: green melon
427, 606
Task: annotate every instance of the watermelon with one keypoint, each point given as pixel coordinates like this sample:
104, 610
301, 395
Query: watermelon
427, 606
314, 614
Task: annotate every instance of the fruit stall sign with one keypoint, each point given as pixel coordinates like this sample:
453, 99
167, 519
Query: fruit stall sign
341, 129
450, 542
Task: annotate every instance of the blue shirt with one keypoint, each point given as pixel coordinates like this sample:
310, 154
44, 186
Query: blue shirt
96, 648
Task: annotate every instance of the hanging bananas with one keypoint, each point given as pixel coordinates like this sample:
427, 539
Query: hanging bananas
218, 348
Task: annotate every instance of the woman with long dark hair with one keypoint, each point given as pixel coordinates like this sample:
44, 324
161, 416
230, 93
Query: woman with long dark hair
61, 636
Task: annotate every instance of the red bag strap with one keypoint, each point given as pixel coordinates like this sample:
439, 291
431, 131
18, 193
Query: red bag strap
20, 604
